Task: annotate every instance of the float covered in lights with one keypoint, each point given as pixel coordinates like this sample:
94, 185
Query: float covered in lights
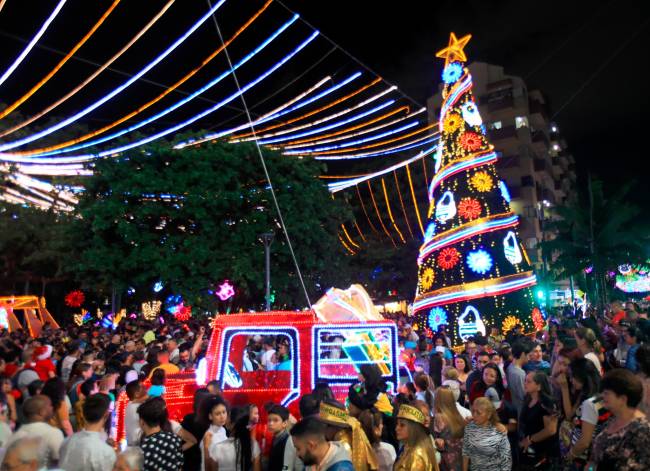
474, 268
634, 278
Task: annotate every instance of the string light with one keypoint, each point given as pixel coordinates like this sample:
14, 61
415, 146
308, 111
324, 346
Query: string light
92, 76
424, 169
390, 212
346, 246
401, 202
459, 166
363, 206
116, 91
61, 63
345, 231
415, 201
419, 142
359, 231
32, 43
381, 222
188, 98
69, 144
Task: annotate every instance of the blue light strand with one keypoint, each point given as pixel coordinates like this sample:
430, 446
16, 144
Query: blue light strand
105, 98
10, 70
179, 103
412, 144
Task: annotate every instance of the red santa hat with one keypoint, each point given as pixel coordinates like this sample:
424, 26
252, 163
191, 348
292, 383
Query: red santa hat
43, 352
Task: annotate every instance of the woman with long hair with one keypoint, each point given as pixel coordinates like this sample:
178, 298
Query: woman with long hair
239, 452
464, 367
485, 448
538, 423
424, 389
214, 411
590, 413
418, 452
490, 385
448, 428
54, 388
372, 423
589, 345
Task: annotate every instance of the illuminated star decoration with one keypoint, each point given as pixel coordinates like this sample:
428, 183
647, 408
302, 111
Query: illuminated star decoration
226, 291
454, 51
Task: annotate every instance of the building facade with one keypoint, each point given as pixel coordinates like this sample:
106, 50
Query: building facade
533, 157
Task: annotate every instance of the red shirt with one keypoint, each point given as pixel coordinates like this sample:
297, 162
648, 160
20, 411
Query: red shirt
43, 368
618, 317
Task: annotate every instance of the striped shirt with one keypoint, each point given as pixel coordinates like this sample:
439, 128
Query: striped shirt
486, 448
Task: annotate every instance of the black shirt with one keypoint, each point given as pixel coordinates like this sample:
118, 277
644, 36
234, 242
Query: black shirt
531, 421
192, 456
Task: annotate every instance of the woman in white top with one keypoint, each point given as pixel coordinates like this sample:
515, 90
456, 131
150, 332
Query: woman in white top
217, 410
237, 453
589, 346
372, 423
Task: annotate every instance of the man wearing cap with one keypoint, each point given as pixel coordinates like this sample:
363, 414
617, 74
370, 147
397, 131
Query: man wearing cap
347, 430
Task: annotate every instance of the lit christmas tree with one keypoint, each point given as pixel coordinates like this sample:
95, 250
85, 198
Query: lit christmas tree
473, 273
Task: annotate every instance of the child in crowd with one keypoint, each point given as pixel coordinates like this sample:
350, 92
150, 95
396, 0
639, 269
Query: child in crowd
216, 433
282, 450
157, 387
137, 395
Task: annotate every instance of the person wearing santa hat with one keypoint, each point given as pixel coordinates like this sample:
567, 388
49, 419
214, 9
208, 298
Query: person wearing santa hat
42, 363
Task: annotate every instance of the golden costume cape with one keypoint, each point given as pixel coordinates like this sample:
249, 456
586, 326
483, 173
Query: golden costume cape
414, 459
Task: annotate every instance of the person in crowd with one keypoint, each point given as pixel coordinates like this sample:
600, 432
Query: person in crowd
643, 360
74, 352
42, 362
239, 452
196, 424
515, 334
315, 451
590, 414
283, 453
515, 373
24, 454
5, 424
424, 389
131, 459
589, 346
214, 388
632, 336
87, 450
448, 428
137, 394
490, 385
157, 388
217, 410
485, 448
162, 358
482, 359
37, 411
54, 388
418, 452
87, 388
536, 361
623, 443
6, 388
162, 449
269, 355
372, 422
538, 423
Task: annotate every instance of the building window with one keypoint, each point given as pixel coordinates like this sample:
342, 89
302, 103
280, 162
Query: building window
495, 125
521, 122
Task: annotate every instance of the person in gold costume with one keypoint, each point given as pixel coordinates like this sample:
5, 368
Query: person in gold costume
347, 430
418, 453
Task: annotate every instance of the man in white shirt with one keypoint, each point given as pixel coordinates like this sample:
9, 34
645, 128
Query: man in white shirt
23, 454
74, 352
269, 352
86, 450
37, 411
137, 394
172, 348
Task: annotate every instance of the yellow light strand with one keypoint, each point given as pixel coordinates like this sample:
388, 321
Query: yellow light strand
347, 247
61, 63
415, 201
342, 177
401, 202
375, 144
159, 97
381, 221
311, 113
358, 126
94, 75
426, 178
359, 230
390, 212
347, 236
363, 206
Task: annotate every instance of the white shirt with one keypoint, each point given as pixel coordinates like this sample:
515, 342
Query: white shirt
225, 455
267, 359
132, 424
386, 456
86, 451
464, 413
66, 367
591, 356
218, 436
51, 437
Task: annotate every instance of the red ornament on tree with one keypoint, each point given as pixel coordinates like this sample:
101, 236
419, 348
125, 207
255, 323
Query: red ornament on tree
470, 141
469, 208
75, 298
448, 258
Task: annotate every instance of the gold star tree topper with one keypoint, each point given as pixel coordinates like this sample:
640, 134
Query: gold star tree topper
454, 51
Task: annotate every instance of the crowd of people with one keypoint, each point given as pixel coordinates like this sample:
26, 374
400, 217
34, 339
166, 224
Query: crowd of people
571, 397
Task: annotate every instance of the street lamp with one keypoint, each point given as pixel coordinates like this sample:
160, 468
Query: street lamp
267, 239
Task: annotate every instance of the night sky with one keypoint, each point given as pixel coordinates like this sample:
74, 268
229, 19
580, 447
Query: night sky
589, 58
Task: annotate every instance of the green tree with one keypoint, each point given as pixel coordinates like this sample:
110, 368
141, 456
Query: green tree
600, 231
192, 218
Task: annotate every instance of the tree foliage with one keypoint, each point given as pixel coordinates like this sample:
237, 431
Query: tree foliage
193, 218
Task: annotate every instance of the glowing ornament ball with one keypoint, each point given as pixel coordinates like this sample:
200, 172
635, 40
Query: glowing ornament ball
75, 298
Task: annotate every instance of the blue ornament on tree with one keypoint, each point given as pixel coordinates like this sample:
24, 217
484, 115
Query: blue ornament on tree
452, 72
479, 261
437, 317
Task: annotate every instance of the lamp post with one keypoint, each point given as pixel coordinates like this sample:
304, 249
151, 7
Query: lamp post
267, 239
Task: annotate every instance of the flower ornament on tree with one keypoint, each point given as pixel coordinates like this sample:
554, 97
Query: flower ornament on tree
182, 312
481, 181
427, 278
437, 317
448, 258
471, 141
469, 208
75, 298
452, 72
508, 323
479, 261
453, 122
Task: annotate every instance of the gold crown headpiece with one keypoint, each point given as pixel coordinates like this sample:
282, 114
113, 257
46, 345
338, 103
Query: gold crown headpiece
411, 413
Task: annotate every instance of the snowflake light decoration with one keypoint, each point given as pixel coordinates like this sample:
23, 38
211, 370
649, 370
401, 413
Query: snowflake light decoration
428, 277
448, 258
437, 317
479, 261
481, 181
471, 141
469, 208
452, 72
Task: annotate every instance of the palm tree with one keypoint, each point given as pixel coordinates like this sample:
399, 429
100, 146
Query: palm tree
598, 231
